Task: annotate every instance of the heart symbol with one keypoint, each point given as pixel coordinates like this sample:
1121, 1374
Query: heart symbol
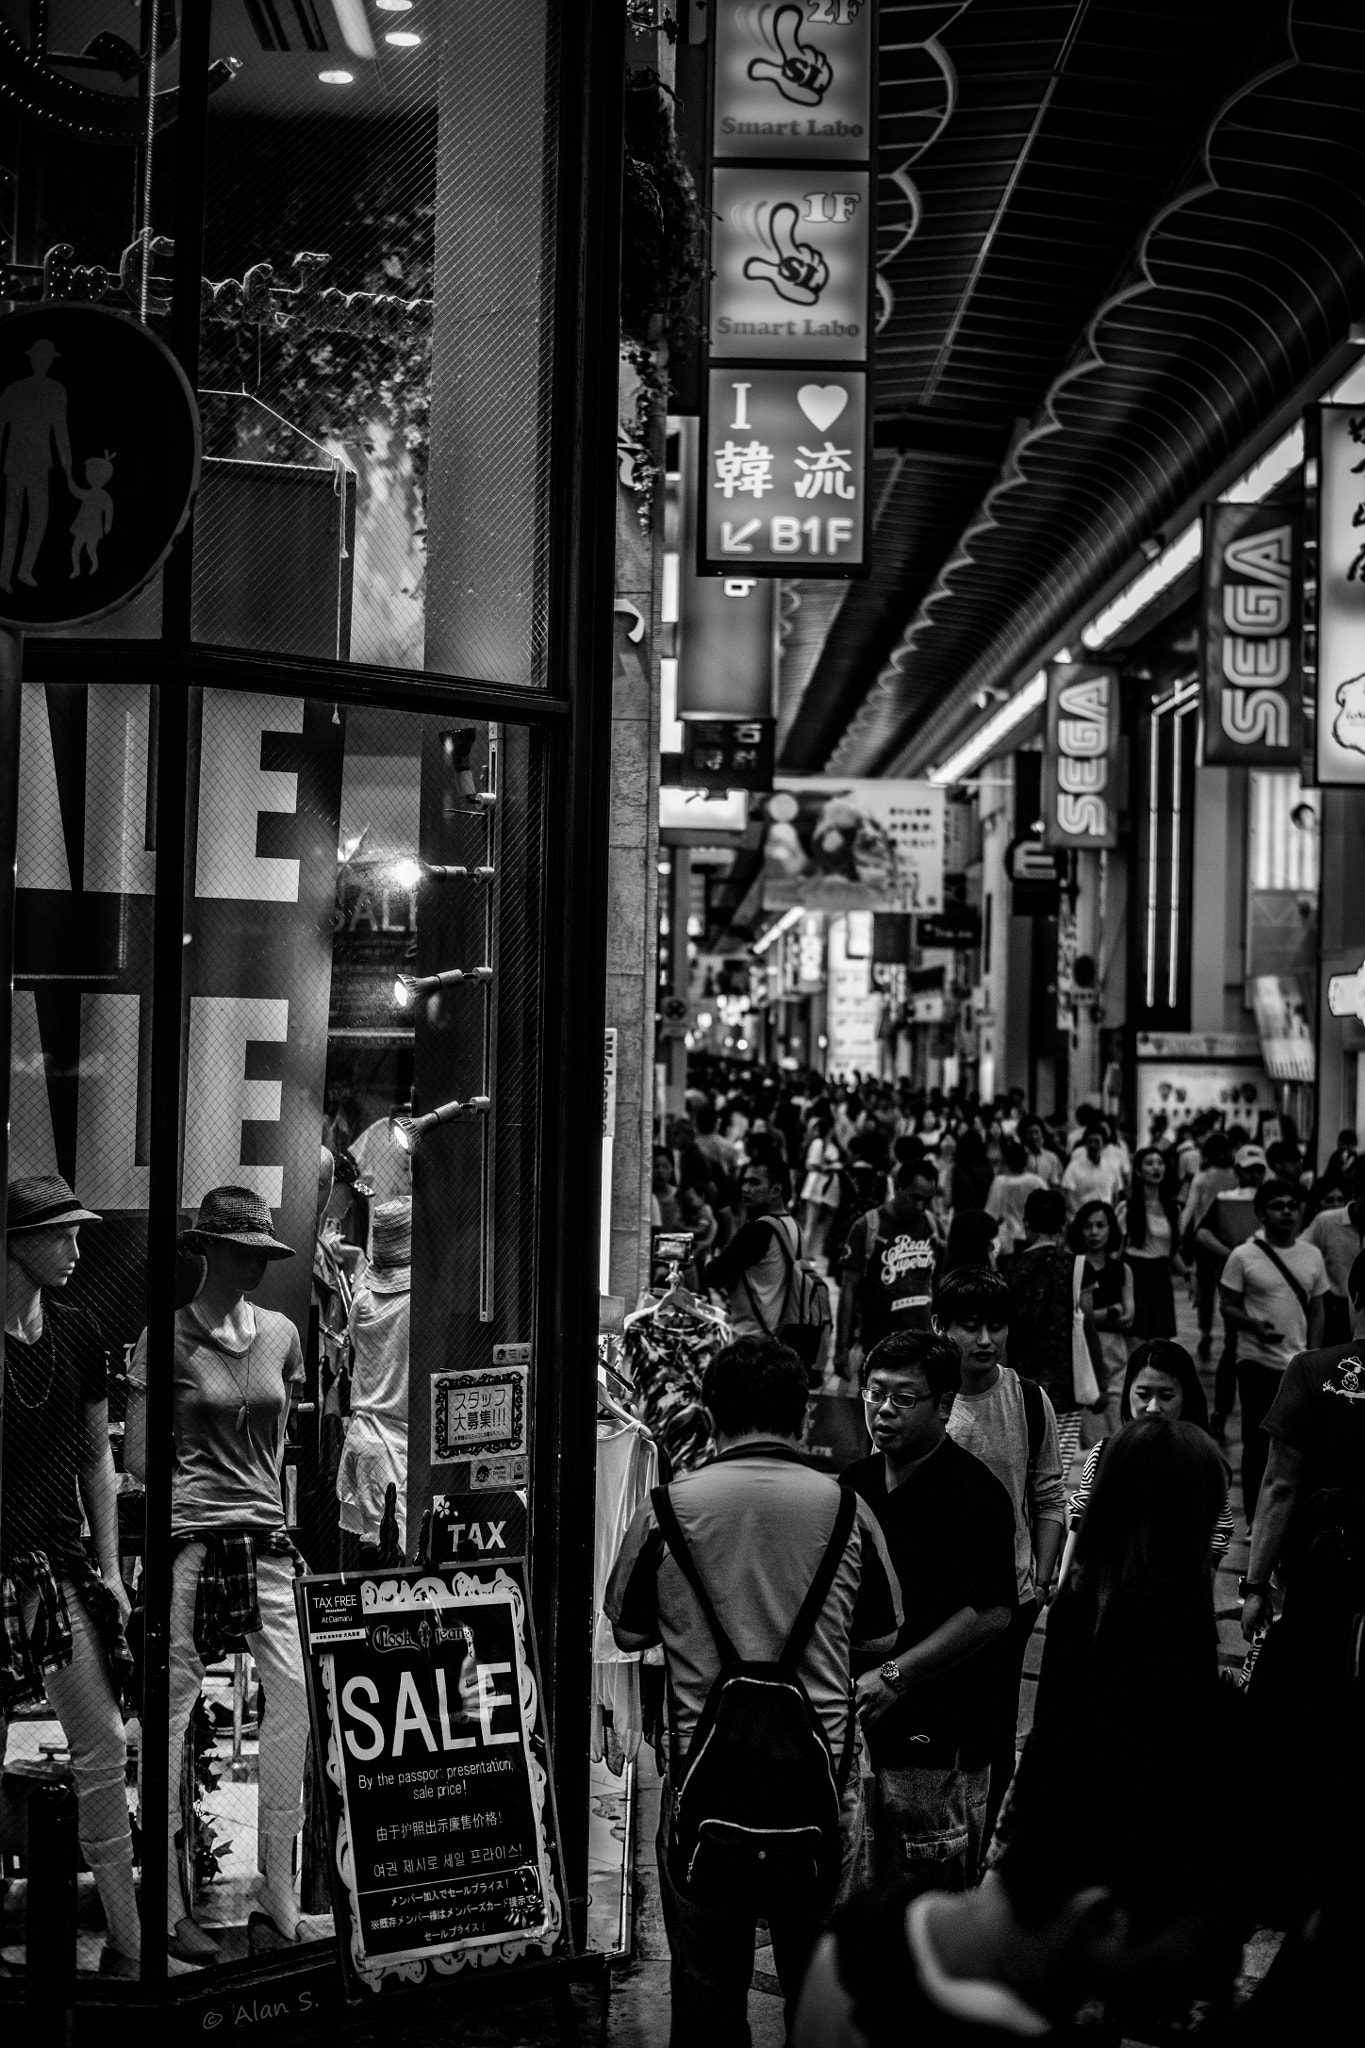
822, 404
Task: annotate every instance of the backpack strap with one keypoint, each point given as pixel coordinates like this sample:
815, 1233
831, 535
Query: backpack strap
790, 1256
1033, 1417
1295, 1287
671, 1530
803, 1628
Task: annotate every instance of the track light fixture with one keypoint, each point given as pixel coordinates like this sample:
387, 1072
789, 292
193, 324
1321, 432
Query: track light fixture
408, 987
407, 1132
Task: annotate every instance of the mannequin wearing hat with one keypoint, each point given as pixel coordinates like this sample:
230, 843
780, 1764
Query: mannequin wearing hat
232, 1579
62, 1632
375, 1454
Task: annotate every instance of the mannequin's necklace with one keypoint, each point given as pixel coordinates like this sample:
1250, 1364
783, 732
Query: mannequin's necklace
242, 1423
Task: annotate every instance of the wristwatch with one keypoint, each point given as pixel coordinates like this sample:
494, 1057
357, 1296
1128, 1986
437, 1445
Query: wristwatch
1246, 1587
890, 1674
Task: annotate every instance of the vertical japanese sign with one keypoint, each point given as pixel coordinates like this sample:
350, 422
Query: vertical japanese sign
1253, 653
1081, 757
434, 1769
785, 429
727, 635
1341, 595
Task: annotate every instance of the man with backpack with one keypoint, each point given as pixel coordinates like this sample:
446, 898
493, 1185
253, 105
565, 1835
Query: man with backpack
770, 1288
1011, 1426
950, 1530
1272, 1290
887, 1270
762, 1579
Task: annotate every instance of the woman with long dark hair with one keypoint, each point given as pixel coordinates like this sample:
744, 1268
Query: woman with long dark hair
1135, 1612
1161, 1382
1153, 1244
1107, 1298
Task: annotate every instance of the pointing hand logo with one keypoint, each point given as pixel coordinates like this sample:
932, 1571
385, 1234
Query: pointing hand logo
801, 74
796, 270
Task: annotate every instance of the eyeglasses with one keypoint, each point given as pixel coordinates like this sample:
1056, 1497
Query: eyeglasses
1285, 1203
880, 1397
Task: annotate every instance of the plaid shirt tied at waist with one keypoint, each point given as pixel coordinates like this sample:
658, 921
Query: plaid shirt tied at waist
226, 1602
28, 1654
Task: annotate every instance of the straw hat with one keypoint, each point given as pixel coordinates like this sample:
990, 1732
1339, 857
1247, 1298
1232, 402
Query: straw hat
39, 1201
234, 1216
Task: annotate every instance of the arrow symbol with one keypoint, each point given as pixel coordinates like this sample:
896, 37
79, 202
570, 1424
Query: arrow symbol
737, 543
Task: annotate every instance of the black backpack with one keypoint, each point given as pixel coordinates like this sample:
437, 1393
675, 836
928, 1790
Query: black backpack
755, 1818
893, 1295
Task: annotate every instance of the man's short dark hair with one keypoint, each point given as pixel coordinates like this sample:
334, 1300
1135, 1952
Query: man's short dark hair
755, 1384
1272, 1190
916, 1169
704, 1117
764, 1152
970, 1293
1045, 1212
1014, 1156
917, 1351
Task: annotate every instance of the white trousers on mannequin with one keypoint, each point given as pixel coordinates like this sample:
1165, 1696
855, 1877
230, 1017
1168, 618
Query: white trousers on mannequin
82, 1698
284, 1731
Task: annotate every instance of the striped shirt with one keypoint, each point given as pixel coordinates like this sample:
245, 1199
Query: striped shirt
1080, 1501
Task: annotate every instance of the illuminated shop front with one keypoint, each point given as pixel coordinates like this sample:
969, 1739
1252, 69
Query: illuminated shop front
305, 833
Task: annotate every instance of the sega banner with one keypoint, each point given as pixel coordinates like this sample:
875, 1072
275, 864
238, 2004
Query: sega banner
1340, 720
1081, 795
1253, 641
786, 426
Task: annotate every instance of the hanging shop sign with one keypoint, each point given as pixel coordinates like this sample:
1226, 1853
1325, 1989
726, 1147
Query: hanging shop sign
1081, 757
726, 633
784, 454
853, 845
793, 80
1340, 721
434, 1770
99, 447
1036, 874
257, 967
1285, 1027
956, 925
784, 472
791, 266
723, 753
1253, 643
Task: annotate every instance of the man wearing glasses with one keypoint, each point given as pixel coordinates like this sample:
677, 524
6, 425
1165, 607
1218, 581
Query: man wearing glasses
949, 1530
1272, 1291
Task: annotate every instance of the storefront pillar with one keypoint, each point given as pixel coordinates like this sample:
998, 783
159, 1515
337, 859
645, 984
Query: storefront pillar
633, 874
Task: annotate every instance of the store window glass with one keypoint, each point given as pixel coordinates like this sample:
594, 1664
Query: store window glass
71, 1536
358, 1178
375, 356
376, 350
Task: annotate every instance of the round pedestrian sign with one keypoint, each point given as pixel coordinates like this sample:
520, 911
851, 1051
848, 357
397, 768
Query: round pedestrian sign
99, 460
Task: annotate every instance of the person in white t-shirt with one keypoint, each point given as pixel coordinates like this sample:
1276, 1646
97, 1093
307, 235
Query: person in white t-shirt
1272, 1293
1093, 1174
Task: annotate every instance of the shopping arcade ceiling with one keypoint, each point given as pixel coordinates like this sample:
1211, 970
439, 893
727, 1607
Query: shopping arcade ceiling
1108, 251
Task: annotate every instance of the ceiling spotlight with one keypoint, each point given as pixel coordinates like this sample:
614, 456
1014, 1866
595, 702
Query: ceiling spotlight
407, 1132
337, 77
408, 987
403, 38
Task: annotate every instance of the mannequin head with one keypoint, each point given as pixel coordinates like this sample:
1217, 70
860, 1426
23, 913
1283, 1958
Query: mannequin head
47, 1258
236, 1269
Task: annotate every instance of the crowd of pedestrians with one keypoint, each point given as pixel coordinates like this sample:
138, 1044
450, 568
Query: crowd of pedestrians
844, 1649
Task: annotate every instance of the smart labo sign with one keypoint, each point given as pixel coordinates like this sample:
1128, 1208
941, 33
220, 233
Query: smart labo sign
435, 1770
